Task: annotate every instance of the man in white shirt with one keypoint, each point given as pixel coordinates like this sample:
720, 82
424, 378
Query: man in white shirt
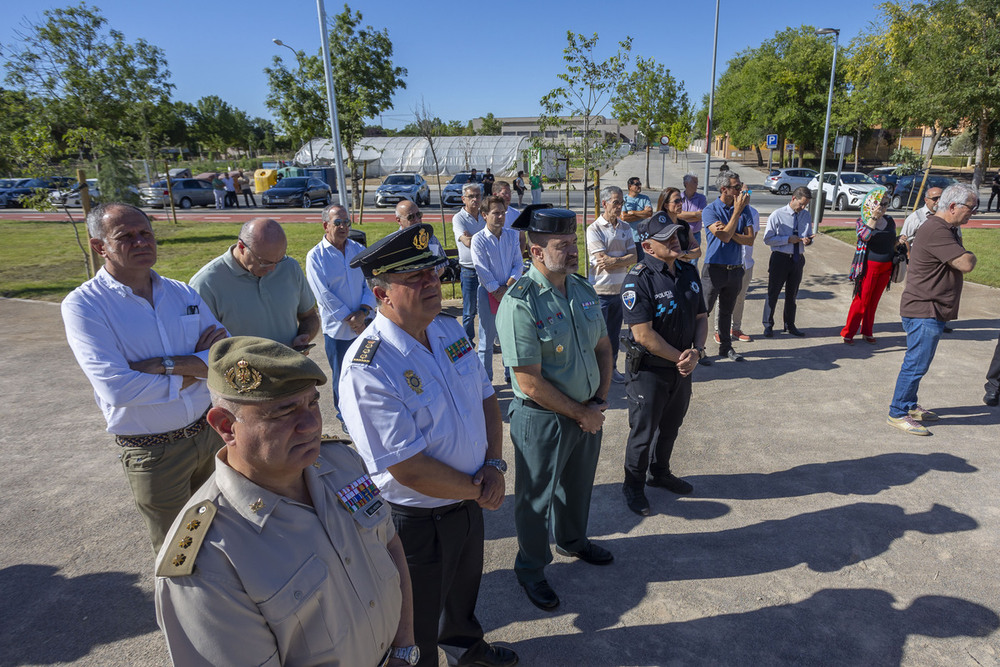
497, 258
344, 300
142, 340
465, 224
612, 252
918, 217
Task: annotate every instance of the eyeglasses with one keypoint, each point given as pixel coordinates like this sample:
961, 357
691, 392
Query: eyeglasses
262, 263
414, 216
974, 209
933, 198
737, 187
341, 222
676, 201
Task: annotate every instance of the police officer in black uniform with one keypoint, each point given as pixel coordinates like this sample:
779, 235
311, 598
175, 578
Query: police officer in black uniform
665, 310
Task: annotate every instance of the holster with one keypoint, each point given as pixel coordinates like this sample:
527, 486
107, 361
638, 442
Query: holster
634, 354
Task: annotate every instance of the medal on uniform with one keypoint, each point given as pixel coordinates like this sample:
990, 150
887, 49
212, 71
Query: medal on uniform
539, 324
559, 315
362, 493
413, 380
559, 348
458, 349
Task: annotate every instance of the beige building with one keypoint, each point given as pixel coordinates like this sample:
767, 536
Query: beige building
528, 126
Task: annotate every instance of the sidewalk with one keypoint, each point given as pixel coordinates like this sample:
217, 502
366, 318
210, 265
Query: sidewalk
816, 534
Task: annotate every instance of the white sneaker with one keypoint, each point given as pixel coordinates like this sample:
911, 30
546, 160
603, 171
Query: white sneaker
617, 377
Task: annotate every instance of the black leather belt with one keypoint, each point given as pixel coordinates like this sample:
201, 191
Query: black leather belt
406, 510
531, 404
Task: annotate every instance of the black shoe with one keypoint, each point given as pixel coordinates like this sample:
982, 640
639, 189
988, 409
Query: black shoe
794, 331
541, 595
991, 399
670, 483
635, 498
592, 553
493, 656
734, 355
768, 332
948, 329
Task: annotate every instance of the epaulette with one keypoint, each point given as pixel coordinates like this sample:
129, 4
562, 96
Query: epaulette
637, 268
367, 351
521, 288
182, 546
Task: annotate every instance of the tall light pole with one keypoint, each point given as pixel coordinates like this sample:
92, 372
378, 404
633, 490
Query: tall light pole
711, 102
298, 59
331, 101
817, 212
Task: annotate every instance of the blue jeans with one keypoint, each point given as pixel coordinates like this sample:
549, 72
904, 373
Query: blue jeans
487, 331
697, 237
922, 336
611, 309
335, 351
470, 297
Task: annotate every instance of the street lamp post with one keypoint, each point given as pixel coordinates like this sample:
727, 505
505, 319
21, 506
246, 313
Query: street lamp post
826, 129
711, 103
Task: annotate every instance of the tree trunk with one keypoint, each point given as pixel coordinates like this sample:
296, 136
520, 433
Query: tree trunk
857, 149
935, 135
982, 145
760, 156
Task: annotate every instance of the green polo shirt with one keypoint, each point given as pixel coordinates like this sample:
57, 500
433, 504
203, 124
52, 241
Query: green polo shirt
246, 305
538, 325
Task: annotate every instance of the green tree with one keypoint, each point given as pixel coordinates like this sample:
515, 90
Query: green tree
492, 126
364, 77
588, 85
651, 98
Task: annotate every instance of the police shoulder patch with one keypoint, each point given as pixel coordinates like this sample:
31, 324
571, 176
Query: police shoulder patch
367, 350
628, 298
637, 268
182, 545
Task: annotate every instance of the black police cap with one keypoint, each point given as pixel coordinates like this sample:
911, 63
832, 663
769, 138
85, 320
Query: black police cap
544, 219
400, 252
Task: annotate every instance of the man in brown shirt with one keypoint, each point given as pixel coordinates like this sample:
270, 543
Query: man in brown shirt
930, 300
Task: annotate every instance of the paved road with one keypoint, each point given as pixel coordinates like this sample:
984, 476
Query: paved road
817, 534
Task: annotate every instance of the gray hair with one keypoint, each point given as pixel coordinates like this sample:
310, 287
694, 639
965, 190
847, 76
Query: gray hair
326, 211
609, 191
471, 185
378, 281
220, 401
959, 193
722, 180
689, 177
95, 219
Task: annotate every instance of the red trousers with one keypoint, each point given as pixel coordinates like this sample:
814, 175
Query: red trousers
866, 301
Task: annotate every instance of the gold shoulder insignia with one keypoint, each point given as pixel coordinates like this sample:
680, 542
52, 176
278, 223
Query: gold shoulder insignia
367, 351
181, 546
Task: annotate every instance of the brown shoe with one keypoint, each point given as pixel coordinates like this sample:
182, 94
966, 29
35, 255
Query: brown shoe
737, 334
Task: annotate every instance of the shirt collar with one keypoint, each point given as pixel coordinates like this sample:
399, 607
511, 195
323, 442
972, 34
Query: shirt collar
229, 259
399, 339
601, 220
543, 283
110, 283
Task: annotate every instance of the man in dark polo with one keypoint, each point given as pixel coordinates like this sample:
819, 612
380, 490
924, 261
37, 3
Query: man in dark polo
555, 342
424, 416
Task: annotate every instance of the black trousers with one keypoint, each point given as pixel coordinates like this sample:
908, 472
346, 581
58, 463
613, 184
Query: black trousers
657, 403
722, 283
993, 374
783, 272
444, 552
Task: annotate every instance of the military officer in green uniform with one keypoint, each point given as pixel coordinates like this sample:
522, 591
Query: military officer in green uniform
555, 341
288, 554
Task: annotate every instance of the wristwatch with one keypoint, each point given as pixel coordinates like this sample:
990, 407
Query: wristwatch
701, 353
499, 464
168, 365
411, 654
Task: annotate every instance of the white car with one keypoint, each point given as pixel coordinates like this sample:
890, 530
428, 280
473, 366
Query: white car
851, 190
71, 197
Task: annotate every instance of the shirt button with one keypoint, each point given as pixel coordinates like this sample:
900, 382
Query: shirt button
298, 595
371, 604
347, 561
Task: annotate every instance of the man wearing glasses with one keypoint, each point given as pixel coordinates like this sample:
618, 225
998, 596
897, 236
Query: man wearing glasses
465, 224
345, 302
918, 217
409, 214
636, 207
255, 289
730, 226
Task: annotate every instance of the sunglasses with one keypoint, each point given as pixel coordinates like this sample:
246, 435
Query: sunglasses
341, 222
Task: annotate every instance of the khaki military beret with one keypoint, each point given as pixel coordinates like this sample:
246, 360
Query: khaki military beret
250, 369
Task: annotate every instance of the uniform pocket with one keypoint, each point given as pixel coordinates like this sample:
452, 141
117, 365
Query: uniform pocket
296, 611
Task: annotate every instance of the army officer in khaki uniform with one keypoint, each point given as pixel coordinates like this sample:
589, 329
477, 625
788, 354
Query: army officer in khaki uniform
288, 554
555, 341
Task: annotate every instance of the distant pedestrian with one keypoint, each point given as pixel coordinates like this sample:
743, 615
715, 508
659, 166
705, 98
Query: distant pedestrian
789, 230
994, 192
247, 191
488, 179
219, 190
992, 396
918, 217
519, 188
931, 298
872, 265
536, 188
692, 204
229, 183
636, 208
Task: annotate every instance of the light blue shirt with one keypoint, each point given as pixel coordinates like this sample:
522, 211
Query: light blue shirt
339, 289
497, 260
719, 252
783, 223
407, 399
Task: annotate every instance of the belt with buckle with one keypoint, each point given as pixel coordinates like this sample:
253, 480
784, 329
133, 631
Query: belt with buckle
153, 439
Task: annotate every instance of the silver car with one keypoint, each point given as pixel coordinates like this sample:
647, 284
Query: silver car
783, 181
452, 195
403, 185
188, 192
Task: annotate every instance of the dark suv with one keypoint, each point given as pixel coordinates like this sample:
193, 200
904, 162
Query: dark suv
905, 193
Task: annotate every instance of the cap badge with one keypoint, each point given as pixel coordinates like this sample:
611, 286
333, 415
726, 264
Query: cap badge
243, 377
421, 239
414, 381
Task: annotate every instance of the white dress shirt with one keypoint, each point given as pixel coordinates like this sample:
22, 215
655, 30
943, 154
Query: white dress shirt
497, 260
339, 289
511, 216
108, 327
784, 223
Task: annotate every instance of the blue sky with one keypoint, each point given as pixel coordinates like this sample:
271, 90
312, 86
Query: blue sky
451, 50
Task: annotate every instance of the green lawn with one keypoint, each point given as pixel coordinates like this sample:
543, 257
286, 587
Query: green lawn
985, 243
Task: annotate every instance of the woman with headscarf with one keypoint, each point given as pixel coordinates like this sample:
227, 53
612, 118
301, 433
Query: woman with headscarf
871, 270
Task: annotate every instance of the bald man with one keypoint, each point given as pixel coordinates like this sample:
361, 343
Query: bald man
409, 214
919, 217
255, 289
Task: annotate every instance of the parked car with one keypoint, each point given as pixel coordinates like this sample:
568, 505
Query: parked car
71, 196
851, 190
905, 194
27, 187
885, 176
298, 191
188, 192
400, 186
783, 181
452, 195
